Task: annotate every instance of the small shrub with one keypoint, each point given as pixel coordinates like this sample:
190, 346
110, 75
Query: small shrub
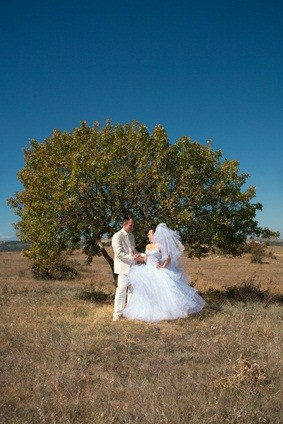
271, 255
258, 251
59, 270
244, 372
247, 291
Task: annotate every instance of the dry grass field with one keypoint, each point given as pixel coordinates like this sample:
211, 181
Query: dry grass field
64, 361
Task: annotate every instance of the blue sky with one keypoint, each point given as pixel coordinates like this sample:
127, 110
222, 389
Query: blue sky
208, 69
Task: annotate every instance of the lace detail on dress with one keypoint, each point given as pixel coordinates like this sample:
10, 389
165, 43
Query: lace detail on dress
153, 257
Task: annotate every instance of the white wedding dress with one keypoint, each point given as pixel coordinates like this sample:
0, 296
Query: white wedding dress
160, 293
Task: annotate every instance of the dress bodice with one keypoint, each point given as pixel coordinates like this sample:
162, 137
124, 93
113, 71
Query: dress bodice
153, 256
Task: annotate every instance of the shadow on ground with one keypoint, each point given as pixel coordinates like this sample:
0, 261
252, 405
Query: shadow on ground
247, 292
96, 296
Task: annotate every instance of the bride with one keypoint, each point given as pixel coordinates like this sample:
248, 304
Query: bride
160, 291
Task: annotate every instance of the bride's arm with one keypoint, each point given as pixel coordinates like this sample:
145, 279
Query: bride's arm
165, 263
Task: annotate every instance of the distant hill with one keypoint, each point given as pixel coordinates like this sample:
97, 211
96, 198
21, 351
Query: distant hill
271, 242
12, 246
17, 246
276, 243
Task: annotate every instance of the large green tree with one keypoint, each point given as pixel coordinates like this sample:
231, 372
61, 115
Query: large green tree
78, 185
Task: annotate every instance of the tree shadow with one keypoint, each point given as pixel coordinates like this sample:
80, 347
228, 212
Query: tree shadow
247, 292
96, 296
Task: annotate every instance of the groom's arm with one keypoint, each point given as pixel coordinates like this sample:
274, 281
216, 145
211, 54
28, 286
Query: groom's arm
138, 256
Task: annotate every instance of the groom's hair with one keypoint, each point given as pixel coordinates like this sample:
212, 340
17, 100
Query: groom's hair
127, 219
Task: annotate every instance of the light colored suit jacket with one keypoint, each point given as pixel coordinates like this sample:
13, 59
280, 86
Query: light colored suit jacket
123, 245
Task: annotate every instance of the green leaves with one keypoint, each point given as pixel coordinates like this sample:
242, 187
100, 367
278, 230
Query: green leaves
77, 187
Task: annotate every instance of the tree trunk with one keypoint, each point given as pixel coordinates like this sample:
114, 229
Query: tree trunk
110, 261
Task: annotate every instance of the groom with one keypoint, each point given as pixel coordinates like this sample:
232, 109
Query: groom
125, 254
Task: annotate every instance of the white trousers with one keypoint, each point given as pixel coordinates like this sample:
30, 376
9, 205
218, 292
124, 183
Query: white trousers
122, 295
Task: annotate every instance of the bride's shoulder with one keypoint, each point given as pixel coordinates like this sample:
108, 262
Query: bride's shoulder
152, 246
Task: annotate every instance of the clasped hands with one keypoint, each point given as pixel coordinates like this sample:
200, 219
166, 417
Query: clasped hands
138, 257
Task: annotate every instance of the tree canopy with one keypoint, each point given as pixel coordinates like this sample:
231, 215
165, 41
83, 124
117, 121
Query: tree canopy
78, 185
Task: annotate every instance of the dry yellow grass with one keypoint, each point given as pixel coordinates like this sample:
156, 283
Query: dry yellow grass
63, 360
